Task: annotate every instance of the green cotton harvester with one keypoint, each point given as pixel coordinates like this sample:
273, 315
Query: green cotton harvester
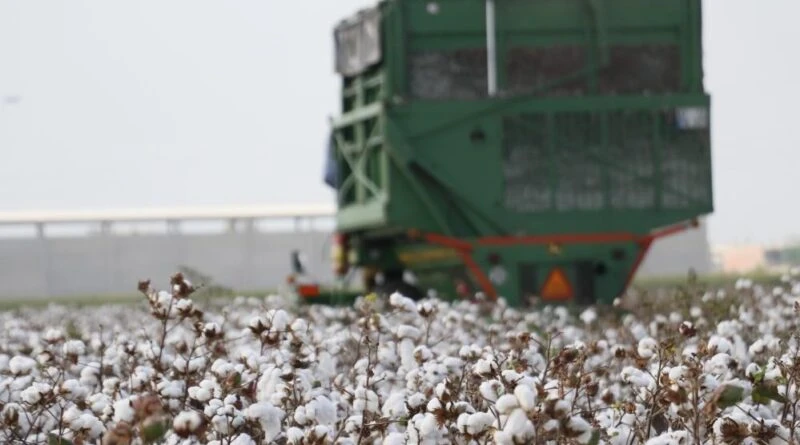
516, 148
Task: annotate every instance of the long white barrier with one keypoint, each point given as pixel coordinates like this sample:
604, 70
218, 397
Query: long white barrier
56, 254
166, 220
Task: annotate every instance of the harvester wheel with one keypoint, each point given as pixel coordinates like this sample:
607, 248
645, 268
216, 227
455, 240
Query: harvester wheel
385, 290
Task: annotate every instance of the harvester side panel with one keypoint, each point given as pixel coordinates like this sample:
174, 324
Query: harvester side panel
600, 129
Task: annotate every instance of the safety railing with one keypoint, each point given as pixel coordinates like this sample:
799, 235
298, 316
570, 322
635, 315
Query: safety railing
177, 220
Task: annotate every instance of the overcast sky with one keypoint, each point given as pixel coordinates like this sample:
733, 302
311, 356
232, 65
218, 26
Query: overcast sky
201, 102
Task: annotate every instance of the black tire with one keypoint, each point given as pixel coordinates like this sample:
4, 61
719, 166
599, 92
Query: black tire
385, 290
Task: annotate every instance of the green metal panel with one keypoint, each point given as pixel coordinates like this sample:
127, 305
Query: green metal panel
601, 123
560, 165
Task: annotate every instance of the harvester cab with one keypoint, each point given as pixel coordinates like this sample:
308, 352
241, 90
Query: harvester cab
515, 148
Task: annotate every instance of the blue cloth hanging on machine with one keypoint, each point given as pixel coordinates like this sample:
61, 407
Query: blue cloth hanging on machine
331, 165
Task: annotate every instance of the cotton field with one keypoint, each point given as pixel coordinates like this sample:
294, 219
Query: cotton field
710, 367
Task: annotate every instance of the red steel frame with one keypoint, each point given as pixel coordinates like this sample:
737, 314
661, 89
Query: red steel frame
465, 248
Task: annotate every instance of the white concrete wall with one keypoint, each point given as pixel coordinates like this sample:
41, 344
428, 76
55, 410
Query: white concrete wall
676, 254
106, 264
57, 267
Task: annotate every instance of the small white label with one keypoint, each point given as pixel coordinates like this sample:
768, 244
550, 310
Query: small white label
692, 118
498, 275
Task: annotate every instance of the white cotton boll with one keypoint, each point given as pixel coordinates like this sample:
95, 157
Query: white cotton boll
98, 403
90, 374
243, 439
366, 401
222, 368
589, 316
428, 426
91, 424
323, 410
269, 417
72, 390
74, 347
774, 343
34, 394
470, 352
400, 302
21, 365
353, 424
519, 427
648, 347
300, 415
636, 377
322, 431
416, 400
758, 347
171, 389
199, 394
221, 423
729, 328
123, 411
53, 335
490, 390
502, 437
562, 408
184, 305
294, 435
423, 354
453, 364
71, 414
395, 405
205, 391
484, 367
720, 344
511, 376
718, 364
479, 422
670, 438
196, 364
279, 318
394, 438
212, 407
506, 403
751, 370
406, 352
772, 373
188, 421
679, 374
580, 428
461, 422
525, 397
406, 331
179, 364
433, 405
639, 331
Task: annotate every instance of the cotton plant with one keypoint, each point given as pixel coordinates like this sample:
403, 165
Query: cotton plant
705, 366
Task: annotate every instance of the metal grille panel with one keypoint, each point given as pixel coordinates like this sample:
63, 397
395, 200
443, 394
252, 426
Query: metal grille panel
630, 152
578, 147
525, 164
585, 161
532, 69
684, 165
637, 69
453, 74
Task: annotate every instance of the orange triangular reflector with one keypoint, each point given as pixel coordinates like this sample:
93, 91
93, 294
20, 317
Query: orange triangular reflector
556, 286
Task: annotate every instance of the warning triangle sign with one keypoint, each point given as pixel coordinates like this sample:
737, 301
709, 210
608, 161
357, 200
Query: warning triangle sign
556, 286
